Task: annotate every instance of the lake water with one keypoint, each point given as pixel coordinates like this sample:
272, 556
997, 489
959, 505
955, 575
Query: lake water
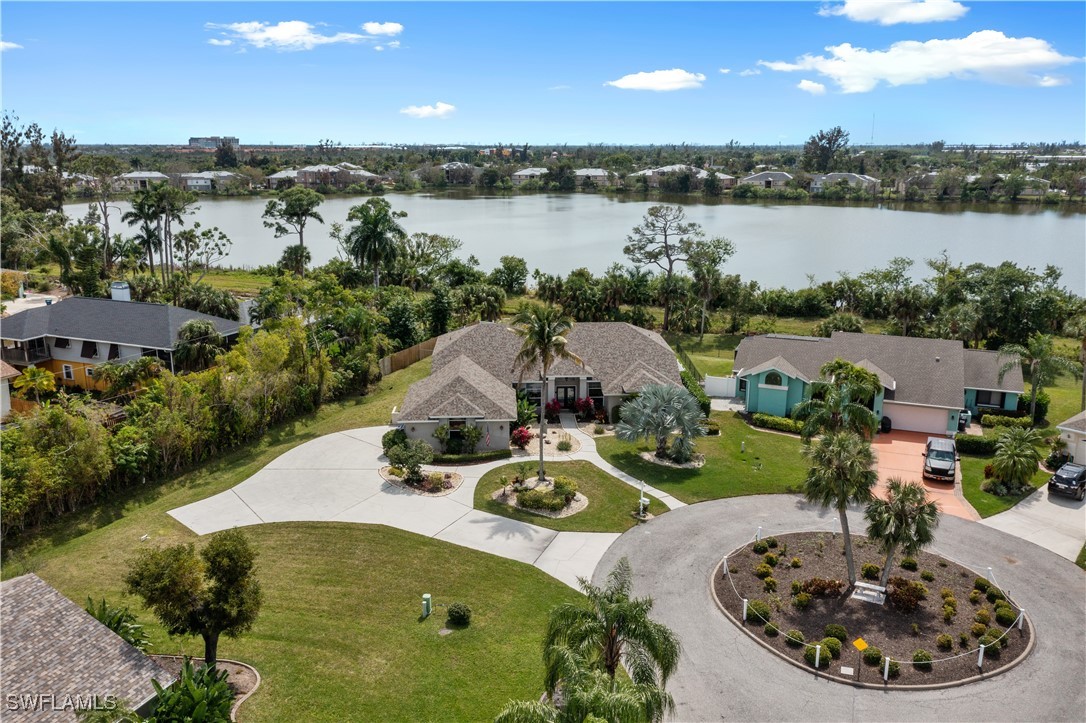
777, 245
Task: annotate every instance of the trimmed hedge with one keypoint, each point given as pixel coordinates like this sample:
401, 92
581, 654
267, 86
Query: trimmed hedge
975, 444
991, 420
781, 424
487, 456
694, 388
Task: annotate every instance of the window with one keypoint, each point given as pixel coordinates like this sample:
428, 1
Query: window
743, 384
61, 343
114, 352
89, 350
89, 371
773, 379
987, 398
66, 370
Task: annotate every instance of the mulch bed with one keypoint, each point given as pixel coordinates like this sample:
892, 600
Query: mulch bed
240, 678
898, 634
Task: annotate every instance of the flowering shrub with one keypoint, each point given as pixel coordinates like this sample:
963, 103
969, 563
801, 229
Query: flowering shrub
520, 437
586, 408
553, 408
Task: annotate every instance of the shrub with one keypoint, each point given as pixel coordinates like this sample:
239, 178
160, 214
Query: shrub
1006, 616
927, 575
922, 660
760, 609
909, 563
200, 694
833, 645
521, 437
948, 613
771, 559
796, 562
712, 428
870, 571
781, 424
989, 471
994, 593
763, 571
692, 385
760, 547
459, 614
396, 471
981, 584
771, 630
836, 631
410, 456
772, 542
944, 642
770, 584
564, 445
565, 488
983, 616
906, 595
822, 586
975, 596
975, 443
474, 457
1002, 604
946, 592
598, 429
992, 643
794, 638
392, 438
801, 601
872, 655
978, 630
895, 668
797, 587
540, 499
1043, 400
992, 420
823, 660
964, 640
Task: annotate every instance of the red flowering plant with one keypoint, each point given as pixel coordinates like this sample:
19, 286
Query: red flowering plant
520, 437
586, 408
554, 407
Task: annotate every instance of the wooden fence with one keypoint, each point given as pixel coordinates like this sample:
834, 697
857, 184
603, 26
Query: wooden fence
406, 357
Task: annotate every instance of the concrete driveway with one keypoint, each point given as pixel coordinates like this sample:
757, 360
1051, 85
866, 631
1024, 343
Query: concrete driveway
901, 454
1057, 523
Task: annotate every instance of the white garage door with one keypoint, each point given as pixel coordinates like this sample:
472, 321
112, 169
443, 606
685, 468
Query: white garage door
916, 419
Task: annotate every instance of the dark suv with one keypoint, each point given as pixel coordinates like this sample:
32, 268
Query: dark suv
940, 458
1070, 480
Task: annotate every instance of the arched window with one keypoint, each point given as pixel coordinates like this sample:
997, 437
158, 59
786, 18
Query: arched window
773, 379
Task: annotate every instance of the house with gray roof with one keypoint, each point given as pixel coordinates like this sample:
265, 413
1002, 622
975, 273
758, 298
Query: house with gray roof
598, 176
474, 381
282, 179
820, 182
767, 179
1073, 433
925, 382
73, 336
528, 174
140, 180
654, 176
56, 659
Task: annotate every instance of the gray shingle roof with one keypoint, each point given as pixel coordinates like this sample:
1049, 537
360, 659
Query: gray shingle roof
926, 371
1076, 423
982, 372
52, 646
459, 388
153, 326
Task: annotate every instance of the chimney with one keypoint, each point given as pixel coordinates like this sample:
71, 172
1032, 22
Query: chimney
119, 291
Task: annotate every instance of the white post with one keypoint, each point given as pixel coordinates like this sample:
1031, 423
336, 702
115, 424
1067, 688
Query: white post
743, 446
980, 657
1021, 614
988, 575
641, 500
818, 655
758, 536
886, 669
724, 567
744, 609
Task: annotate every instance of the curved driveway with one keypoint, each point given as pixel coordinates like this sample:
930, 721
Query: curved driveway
724, 675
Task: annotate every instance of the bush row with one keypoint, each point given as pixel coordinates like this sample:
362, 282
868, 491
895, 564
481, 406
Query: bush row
781, 424
694, 388
487, 456
991, 420
975, 444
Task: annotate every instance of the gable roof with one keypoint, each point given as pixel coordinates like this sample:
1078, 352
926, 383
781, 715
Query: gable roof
52, 646
772, 175
460, 388
153, 326
982, 372
7, 371
1076, 423
777, 363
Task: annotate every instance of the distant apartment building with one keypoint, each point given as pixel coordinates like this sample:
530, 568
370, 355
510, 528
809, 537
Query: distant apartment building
767, 179
339, 176
528, 174
654, 176
868, 184
207, 181
213, 142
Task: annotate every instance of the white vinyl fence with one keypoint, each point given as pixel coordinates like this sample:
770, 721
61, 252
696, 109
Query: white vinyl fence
720, 386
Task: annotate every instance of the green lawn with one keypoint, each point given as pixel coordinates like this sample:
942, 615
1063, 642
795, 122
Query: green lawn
245, 283
771, 463
713, 355
1066, 396
610, 501
1081, 559
986, 504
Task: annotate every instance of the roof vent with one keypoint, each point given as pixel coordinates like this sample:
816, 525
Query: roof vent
936, 360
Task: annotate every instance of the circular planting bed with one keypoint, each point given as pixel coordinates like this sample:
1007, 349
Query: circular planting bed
936, 615
435, 483
548, 500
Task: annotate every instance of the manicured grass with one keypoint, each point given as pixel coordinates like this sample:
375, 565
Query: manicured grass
771, 463
713, 355
610, 501
239, 281
986, 504
1066, 398
1081, 559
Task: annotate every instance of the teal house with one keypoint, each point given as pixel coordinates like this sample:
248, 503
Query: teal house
925, 383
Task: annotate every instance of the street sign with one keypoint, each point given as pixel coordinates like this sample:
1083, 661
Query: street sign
860, 644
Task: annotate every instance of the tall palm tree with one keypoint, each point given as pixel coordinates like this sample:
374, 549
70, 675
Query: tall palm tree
842, 473
375, 238
198, 343
657, 412
610, 629
831, 407
1017, 456
1044, 364
35, 380
906, 519
542, 330
145, 213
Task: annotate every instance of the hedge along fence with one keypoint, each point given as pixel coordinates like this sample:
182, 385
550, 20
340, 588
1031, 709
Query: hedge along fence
759, 611
975, 444
992, 420
781, 424
694, 387
487, 456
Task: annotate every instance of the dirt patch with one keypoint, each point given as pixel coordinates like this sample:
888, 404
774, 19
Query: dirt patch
898, 634
696, 462
450, 482
579, 503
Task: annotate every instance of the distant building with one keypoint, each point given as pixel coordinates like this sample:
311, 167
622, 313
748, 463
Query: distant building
767, 179
207, 181
458, 172
139, 180
528, 174
282, 179
213, 142
654, 176
339, 176
598, 176
820, 182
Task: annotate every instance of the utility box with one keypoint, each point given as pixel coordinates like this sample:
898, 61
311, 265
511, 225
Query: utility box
427, 608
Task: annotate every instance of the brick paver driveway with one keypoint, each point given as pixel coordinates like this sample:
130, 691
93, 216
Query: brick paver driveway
900, 454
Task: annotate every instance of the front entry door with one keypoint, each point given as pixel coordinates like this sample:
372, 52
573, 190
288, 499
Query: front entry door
567, 396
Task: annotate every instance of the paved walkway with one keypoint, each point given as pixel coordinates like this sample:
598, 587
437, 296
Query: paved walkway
335, 478
725, 676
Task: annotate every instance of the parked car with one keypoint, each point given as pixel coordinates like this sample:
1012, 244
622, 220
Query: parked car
1069, 480
940, 459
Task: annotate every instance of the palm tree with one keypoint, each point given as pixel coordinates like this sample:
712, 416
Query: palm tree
1044, 364
841, 474
198, 343
1076, 327
657, 412
832, 407
36, 380
145, 213
1016, 457
613, 627
375, 239
906, 519
543, 332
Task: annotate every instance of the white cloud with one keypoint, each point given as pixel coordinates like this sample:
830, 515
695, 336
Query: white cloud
437, 110
659, 80
749, 72
986, 55
559, 87
220, 41
725, 71
6, 46
373, 28
892, 12
394, 44
378, 48
809, 86
1051, 81
286, 35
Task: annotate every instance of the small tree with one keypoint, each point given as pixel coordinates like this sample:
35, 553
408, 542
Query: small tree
659, 411
198, 343
35, 380
905, 520
1016, 459
211, 593
1044, 364
410, 456
291, 210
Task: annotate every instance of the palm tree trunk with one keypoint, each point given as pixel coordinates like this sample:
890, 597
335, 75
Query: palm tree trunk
848, 547
542, 424
1033, 395
704, 311
886, 566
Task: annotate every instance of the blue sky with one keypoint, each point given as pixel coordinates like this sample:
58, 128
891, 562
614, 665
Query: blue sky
983, 72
